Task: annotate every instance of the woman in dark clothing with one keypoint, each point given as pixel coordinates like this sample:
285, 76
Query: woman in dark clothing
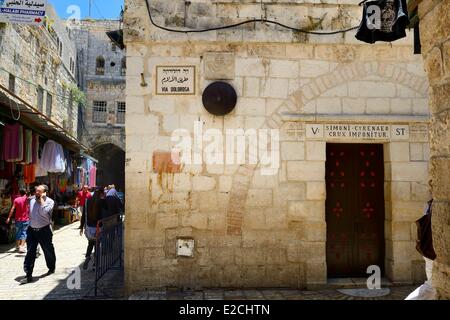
93, 212
113, 203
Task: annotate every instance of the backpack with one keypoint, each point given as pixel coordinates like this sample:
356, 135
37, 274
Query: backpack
424, 235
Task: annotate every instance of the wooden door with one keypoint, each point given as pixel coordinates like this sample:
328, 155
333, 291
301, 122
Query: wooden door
354, 208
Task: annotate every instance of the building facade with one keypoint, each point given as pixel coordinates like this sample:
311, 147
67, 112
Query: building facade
102, 67
353, 123
435, 38
38, 65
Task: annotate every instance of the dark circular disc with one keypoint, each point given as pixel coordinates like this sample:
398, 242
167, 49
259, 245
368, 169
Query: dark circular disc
219, 98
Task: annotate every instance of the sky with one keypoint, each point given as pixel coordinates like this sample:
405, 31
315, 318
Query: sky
100, 9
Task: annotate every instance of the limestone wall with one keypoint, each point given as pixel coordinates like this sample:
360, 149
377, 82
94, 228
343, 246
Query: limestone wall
252, 230
92, 42
435, 36
32, 55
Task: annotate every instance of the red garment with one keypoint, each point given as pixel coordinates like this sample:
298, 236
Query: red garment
93, 176
13, 142
83, 196
22, 208
29, 173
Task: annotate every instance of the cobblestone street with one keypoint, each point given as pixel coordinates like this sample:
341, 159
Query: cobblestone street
70, 248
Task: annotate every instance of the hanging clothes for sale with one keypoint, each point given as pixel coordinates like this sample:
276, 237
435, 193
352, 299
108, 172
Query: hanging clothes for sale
28, 152
29, 173
12, 142
52, 159
35, 149
39, 172
92, 176
383, 20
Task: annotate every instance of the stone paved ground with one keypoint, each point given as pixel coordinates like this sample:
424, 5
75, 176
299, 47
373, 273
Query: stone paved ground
70, 248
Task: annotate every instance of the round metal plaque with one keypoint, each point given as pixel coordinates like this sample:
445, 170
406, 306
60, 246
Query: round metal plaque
219, 98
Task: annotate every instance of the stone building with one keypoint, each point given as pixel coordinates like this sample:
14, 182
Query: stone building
102, 68
38, 65
435, 38
353, 123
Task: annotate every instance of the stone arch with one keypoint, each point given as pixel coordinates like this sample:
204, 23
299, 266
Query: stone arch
100, 140
294, 104
111, 165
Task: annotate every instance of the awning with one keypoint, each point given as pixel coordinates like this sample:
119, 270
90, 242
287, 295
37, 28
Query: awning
11, 105
116, 37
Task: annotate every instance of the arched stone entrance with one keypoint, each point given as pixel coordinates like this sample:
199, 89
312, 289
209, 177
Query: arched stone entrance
111, 165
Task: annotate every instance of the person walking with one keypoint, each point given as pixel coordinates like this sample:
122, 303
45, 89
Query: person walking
82, 196
113, 204
40, 232
21, 218
93, 213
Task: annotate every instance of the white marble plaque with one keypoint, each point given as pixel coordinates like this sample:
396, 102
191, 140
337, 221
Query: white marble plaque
346, 131
175, 80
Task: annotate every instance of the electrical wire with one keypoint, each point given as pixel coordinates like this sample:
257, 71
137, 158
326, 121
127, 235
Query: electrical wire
243, 23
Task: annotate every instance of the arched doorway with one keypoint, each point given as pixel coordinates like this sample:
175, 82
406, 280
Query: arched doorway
111, 166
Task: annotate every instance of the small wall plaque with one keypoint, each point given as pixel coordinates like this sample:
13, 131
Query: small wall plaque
175, 80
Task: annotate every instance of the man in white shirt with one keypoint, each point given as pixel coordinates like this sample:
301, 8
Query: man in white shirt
40, 232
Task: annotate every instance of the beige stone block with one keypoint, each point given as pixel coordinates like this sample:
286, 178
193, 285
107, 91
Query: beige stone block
195, 220
170, 123
135, 105
315, 191
398, 151
142, 124
225, 183
251, 106
316, 273
313, 68
315, 231
407, 210
401, 106
292, 151
306, 210
329, 106
378, 106
166, 220
250, 67
215, 168
409, 171
251, 87
419, 191
416, 151
255, 219
254, 122
401, 231
284, 69
182, 182
315, 150
371, 89
420, 106
400, 191
276, 88
353, 106
259, 198
306, 170
203, 183
289, 191
339, 91
261, 181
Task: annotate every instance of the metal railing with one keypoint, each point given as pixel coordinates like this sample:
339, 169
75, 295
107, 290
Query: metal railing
108, 246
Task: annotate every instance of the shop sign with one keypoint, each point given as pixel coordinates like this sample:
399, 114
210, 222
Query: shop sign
175, 80
30, 12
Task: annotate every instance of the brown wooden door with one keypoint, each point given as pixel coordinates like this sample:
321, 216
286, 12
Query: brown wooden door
354, 208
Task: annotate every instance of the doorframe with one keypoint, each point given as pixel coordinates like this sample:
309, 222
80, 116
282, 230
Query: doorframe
387, 204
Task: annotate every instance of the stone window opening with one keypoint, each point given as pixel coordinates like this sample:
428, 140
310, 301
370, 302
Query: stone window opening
123, 68
12, 83
100, 66
40, 98
120, 114
48, 105
99, 112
